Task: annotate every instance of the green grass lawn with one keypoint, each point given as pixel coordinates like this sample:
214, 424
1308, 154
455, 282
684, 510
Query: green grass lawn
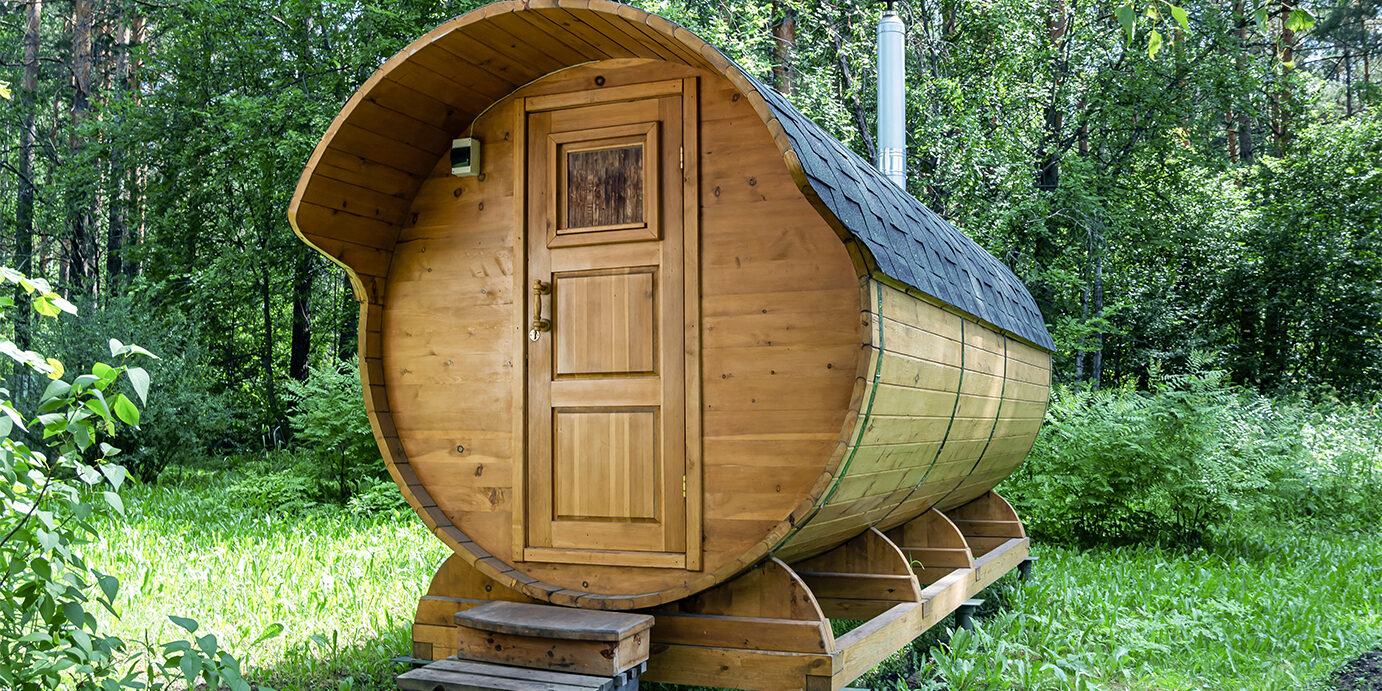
1279, 610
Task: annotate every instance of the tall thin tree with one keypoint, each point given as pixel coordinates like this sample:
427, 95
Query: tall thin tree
24, 211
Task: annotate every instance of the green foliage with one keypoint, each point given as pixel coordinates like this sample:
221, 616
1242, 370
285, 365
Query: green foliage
332, 432
382, 496
344, 584
189, 414
1190, 457
1148, 617
328, 412
284, 491
58, 481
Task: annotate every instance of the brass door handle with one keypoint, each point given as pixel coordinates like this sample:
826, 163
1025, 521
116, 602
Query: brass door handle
539, 324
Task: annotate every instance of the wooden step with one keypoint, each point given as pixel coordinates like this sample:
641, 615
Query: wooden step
464, 675
547, 621
560, 639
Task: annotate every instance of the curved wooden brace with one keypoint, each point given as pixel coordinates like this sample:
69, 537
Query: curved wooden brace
861, 578
933, 545
987, 522
456, 587
766, 608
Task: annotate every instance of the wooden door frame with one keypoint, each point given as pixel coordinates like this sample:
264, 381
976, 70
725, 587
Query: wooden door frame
688, 89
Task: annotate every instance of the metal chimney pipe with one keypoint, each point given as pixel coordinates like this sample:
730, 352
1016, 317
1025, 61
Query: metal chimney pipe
892, 140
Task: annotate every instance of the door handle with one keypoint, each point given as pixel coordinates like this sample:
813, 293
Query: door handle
539, 324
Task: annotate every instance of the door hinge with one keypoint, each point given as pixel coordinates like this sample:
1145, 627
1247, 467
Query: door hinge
681, 157
683, 486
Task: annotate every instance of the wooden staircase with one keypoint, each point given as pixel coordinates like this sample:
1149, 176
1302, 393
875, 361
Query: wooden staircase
514, 646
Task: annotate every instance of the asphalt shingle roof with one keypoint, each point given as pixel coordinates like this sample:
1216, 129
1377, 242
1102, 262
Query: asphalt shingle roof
909, 241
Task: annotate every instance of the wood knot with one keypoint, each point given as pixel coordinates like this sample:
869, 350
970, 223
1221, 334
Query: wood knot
457, 193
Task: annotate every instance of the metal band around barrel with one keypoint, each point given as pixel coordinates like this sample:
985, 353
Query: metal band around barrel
1002, 393
959, 388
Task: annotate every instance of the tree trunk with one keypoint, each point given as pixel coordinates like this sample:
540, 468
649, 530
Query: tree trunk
1348, 85
348, 333
1244, 137
1082, 135
266, 357
1048, 156
1281, 129
118, 206
81, 250
847, 93
1084, 319
137, 177
1367, 71
1096, 307
302, 317
24, 207
784, 46
1231, 130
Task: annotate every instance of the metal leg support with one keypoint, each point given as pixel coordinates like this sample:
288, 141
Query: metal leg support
964, 614
1024, 568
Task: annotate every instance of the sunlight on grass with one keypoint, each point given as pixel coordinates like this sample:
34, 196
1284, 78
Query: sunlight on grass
1278, 610
344, 586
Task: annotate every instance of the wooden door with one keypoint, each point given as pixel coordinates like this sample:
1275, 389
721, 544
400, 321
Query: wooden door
612, 352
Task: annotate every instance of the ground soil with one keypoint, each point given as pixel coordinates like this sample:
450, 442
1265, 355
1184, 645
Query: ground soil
1363, 674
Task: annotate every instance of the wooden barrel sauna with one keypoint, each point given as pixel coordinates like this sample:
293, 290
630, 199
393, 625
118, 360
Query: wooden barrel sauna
670, 328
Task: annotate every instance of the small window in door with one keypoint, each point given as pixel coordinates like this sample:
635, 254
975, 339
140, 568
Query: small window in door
604, 186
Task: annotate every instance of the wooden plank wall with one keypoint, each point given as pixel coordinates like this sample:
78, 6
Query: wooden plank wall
780, 310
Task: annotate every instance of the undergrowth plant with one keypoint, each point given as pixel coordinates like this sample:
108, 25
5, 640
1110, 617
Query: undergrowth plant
58, 480
1191, 456
334, 444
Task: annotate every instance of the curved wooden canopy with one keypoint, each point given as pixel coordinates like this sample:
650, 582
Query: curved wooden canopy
357, 188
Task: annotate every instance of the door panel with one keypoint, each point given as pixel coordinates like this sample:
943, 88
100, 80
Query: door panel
604, 323
607, 362
606, 465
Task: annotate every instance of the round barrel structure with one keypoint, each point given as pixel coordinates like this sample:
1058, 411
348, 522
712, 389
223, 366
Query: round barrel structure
665, 326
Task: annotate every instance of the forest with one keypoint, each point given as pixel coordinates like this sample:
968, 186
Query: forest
1206, 191
1192, 194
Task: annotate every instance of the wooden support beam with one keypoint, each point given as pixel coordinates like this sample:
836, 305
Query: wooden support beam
933, 545
862, 577
456, 587
762, 626
987, 522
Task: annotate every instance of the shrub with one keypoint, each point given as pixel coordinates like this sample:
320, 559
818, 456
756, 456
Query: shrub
381, 496
188, 414
1190, 456
332, 432
281, 492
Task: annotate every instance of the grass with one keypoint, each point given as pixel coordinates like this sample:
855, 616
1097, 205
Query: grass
343, 585
1280, 610
1277, 610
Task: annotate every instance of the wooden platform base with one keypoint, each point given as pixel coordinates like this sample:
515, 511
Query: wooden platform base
463, 675
769, 628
